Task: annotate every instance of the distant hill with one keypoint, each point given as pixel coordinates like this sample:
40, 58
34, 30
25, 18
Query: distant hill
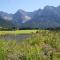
6, 23
49, 17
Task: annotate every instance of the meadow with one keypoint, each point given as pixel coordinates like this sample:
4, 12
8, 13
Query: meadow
43, 45
17, 32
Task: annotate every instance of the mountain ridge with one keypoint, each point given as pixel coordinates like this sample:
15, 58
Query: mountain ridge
49, 17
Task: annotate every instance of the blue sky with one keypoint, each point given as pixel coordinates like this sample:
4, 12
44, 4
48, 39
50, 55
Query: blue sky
11, 6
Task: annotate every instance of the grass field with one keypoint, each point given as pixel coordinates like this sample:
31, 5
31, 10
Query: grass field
18, 32
44, 45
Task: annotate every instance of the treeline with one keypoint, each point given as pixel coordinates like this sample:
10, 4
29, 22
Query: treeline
7, 29
58, 28
15, 28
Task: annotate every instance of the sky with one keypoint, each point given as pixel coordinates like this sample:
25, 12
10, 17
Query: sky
11, 6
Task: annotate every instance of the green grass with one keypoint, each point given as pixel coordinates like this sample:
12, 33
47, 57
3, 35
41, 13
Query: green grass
18, 32
44, 45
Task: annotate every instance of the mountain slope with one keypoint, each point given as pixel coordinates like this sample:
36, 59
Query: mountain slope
49, 17
6, 23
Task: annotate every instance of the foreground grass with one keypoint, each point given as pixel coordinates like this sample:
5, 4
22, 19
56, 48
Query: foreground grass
44, 45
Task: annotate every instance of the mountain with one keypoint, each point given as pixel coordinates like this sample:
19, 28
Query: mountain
49, 17
21, 16
6, 23
5, 15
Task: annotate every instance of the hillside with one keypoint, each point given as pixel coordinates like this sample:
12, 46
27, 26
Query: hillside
6, 23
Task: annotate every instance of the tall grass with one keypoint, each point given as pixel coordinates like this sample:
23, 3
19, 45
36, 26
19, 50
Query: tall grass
44, 45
